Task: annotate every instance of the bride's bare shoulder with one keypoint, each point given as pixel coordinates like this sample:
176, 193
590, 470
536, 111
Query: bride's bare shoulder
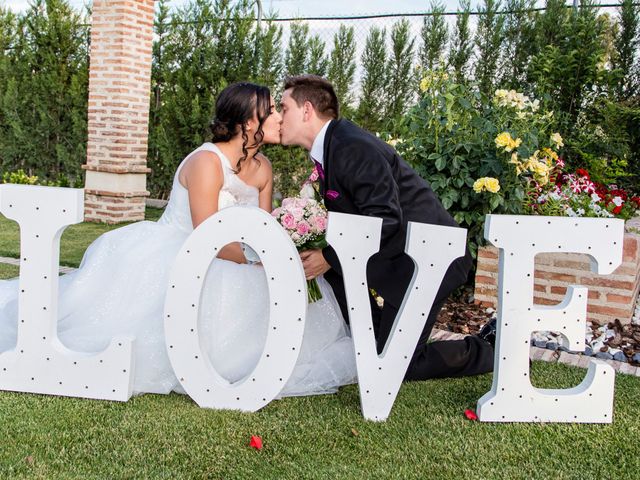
202, 164
265, 170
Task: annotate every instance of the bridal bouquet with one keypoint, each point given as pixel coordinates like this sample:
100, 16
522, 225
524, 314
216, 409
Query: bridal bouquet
305, 220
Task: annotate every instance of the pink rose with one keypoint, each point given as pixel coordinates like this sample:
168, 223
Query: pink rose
320, 223
276, 212
288, 221
314, 175
287, 202
303, 228
298, 213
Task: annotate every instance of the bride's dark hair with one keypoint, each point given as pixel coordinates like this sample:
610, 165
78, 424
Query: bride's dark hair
235, 106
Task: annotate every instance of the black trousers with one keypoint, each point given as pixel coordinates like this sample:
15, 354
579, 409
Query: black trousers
438, 359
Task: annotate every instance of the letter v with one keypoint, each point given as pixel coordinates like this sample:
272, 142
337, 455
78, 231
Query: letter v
432, 247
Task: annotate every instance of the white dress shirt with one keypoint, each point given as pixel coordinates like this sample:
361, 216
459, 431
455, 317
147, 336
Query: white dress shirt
317, 149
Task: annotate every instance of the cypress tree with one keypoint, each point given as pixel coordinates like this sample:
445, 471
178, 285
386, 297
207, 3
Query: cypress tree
626, 41
297, 57
318, 61
462, 45
434, 35
342, 67
370, 111
488, 39
400, 86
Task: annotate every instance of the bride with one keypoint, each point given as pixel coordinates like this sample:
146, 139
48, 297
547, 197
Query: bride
120, 286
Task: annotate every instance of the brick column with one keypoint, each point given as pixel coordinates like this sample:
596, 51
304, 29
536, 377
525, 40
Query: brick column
119, 86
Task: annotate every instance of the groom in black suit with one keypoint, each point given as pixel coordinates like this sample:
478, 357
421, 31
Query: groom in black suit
365, 176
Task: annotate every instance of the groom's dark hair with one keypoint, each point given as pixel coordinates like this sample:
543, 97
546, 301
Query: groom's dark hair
316, 90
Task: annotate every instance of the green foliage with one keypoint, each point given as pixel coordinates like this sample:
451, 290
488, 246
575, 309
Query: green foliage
370, 113
462, 44
318, 61
488, 39
43, 102
400, 82
518, 44
270, 64
434, 35
298, 50
449, 137
627, 39
342, 67
569, 67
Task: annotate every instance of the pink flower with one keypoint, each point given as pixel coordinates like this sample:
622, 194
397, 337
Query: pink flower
575, 187
303, 228
314, 175
288, 221
288, 202
276, 212
589, 187
298, 213
320, 223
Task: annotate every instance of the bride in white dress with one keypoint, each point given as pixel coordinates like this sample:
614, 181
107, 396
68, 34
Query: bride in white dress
120, 286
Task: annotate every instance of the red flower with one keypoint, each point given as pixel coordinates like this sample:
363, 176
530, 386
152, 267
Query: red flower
583, 173
470, 414
256, 442
617, 210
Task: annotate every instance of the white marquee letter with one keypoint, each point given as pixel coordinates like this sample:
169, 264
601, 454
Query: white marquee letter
355, 238
287, 312
512, 397
40, 363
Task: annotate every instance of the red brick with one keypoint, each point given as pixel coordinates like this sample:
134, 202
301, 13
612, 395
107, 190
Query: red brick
630, 251
619, 313
561, 277
624, 299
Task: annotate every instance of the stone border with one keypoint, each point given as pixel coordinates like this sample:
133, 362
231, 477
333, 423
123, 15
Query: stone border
546, 355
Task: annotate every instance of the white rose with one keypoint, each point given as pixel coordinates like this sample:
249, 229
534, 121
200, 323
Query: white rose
307, 191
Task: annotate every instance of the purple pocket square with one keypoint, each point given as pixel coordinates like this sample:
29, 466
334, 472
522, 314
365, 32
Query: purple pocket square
332, 194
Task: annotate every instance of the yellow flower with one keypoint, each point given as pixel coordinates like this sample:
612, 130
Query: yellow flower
478, 185
492, 184
488, 184
505, 141
425, 83
557, 140
550, 154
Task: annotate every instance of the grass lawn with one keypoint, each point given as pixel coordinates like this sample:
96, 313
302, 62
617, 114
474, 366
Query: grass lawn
426, 436
74, 241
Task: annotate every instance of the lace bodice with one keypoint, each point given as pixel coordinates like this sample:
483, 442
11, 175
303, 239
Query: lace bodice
234, 192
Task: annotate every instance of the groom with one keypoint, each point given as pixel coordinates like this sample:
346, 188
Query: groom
365, 176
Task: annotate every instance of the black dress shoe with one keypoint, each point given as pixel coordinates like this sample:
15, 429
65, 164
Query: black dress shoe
488, 332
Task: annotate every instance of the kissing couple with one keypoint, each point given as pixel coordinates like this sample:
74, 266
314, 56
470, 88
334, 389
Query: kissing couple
120, 286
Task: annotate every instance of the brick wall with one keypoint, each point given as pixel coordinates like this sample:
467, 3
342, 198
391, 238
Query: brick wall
610, 296
119, 85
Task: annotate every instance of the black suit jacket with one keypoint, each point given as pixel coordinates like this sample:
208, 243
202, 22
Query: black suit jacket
371, 179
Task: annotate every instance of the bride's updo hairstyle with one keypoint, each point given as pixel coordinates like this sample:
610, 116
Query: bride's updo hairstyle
235, 106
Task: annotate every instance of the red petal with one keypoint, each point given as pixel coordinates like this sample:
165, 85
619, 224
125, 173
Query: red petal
256, 442
470, 414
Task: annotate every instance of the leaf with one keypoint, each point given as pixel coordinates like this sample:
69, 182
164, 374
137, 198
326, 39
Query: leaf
441, 163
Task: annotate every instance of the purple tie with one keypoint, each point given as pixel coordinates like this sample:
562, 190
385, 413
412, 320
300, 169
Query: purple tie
319, 168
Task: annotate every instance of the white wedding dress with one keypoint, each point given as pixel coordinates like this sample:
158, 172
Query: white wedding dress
120, 287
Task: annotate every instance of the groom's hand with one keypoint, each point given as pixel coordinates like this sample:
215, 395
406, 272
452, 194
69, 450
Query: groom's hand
314, 263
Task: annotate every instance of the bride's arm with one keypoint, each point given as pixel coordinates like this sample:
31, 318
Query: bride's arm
203, 179
266, 188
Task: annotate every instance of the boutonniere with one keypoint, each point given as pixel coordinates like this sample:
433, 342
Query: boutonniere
310, 188
379, 300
